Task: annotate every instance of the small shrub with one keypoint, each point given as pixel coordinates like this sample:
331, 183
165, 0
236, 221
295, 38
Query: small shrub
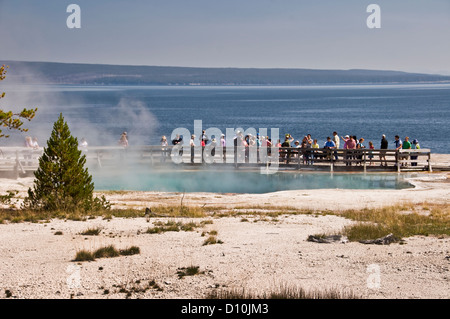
211, 240
154, 230
188, 271
58, 233
106, 252
8, 198
84, 255
171, 225
188, 226
133, 250
154, 285
92, 231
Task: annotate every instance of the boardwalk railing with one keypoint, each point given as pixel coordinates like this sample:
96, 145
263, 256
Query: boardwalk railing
21, 160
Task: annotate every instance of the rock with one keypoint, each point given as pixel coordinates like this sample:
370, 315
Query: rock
328, 239
386, 240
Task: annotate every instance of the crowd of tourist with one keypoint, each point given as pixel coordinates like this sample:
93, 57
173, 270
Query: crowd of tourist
307, 147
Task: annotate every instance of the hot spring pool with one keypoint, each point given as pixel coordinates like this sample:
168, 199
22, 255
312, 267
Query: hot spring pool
243, 181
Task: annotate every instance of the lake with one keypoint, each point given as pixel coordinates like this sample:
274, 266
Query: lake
101, 114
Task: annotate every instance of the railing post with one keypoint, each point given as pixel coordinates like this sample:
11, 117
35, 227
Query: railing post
429, 162
330, 155
16, 168
397, 160
365, 163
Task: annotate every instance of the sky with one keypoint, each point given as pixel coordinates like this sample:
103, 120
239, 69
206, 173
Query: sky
326, 34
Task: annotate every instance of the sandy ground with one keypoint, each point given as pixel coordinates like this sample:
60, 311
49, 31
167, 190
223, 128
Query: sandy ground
258, 255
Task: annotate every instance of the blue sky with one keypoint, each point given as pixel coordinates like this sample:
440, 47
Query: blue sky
325, 34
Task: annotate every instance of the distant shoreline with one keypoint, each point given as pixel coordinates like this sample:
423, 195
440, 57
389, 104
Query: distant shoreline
104, 74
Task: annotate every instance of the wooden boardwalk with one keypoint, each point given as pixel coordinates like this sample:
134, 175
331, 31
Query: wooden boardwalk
18, 161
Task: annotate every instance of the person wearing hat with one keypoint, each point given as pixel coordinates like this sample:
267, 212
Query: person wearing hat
289, 138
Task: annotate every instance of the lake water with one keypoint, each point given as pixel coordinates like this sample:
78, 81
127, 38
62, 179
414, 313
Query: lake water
101, 114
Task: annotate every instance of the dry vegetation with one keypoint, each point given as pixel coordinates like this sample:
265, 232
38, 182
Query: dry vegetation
428, 219
282, 292
400, 220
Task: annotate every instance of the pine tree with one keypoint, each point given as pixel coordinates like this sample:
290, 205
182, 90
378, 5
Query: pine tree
62, 182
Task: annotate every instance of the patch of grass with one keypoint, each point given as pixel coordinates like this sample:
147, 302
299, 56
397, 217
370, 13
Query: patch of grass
211, 240
92, 231
189, 271
180, 211
400, 220
188, 226
137, 288
154, 285
21, 215
105, 252
84, 255
133, 250
283, 292
171, 225
154, 230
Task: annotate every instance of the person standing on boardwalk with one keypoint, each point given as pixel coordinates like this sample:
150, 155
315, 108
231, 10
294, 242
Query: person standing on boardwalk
415, 145
223, 145
123, 141
406, 145
383, 147
336, 141
359, 155
164, 147
28, 144
398, 146
329, 145
349, 146
192, 145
